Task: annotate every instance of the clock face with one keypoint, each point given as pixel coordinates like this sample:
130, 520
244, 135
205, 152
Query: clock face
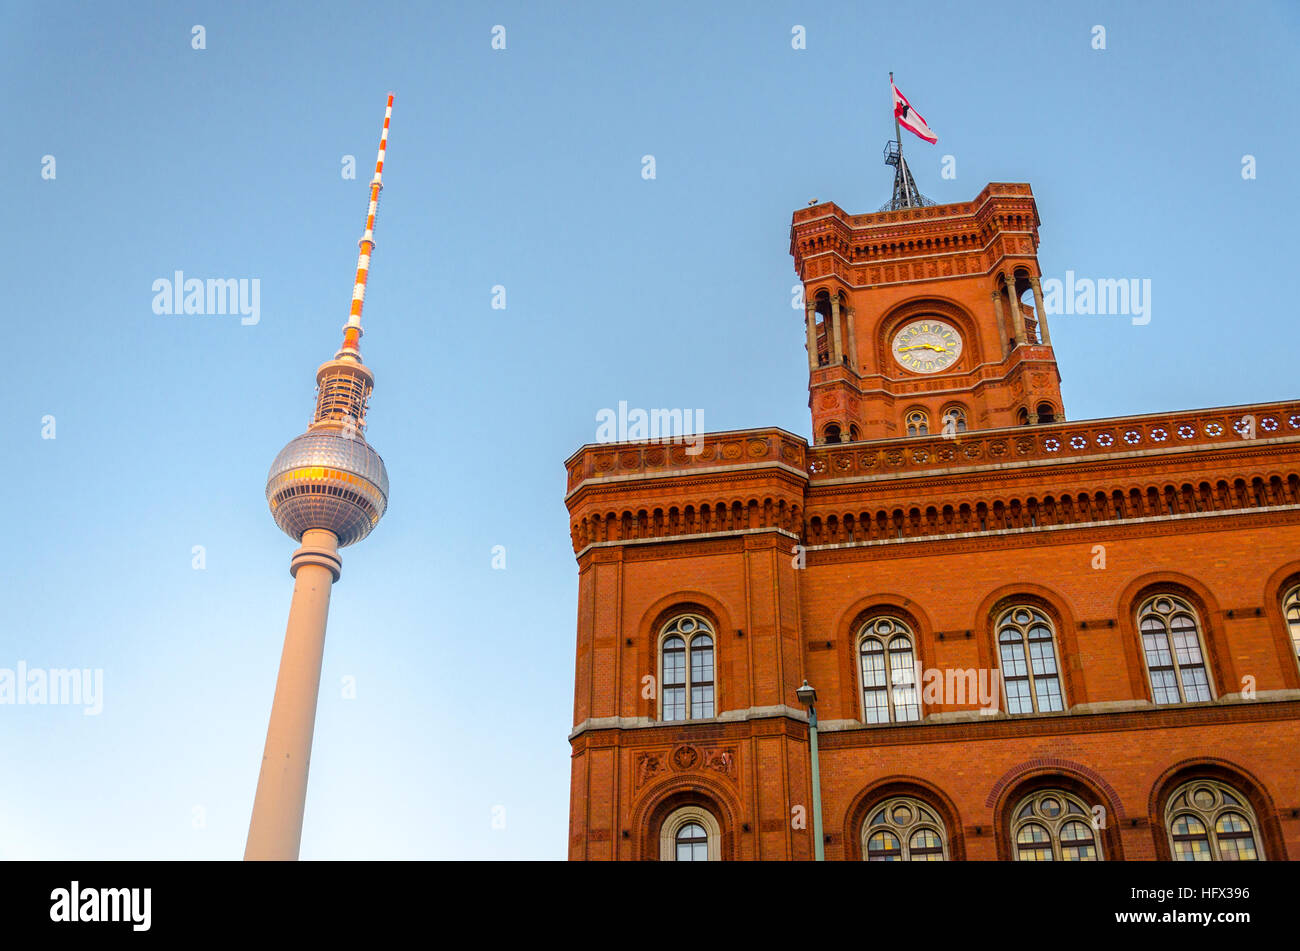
927, 345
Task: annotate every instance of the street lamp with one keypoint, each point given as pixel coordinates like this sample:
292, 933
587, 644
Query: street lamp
808, 697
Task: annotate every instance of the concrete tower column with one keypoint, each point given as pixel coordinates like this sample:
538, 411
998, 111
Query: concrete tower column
1039, 310
1017, 318
838, 355
1002, 322
811, 310
275, 831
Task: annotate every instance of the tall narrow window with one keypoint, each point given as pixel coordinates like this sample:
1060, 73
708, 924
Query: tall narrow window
953, 420
887, 662
687, 688
1054, 826
1210, 822
1029, 671
1291, 609
1171, 643
904, 830
917, 422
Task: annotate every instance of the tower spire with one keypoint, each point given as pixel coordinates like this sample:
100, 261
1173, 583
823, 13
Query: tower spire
352, 329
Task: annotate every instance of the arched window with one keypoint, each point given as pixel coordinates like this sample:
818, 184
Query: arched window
887, 662
1045, 413
904, 830
1022, 417
1291, 610
1211, 822
953, 420
831, 434
1054, 826
690, 834
917, 422
1028, 652
687, 689
854, 435
1171, 642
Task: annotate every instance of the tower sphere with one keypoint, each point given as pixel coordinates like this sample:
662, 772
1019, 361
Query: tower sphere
330, 478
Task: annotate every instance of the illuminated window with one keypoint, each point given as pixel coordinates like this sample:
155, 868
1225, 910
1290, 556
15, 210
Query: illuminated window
1211, 822
904, 830
1054, 826
1171, 643
687, 669
1028, 652
887, 664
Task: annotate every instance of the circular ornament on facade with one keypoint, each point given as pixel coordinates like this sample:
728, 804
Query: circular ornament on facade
604, 463
1186, 432
1159, 434
1051, 444
629, 460
1132, 437
1024, 446
972, 451
928, 345
1241, 427
894, 457
817, 468
1268, 424
1078, 442
677, 454
1214, 429
867, 460
685, 757
946, 454
731, 450
998, 448
827, 400
789, 453
758, 447
1105, 439
1294, 421
843, 463
654, 457
920, 457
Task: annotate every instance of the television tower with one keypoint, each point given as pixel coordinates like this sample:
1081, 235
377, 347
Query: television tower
327, 488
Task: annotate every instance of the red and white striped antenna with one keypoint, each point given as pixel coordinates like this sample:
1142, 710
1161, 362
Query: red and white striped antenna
352, 329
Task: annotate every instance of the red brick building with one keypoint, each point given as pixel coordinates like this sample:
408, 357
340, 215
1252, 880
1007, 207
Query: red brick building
1031, 638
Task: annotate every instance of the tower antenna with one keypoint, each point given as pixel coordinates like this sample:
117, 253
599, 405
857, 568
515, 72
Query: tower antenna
352, 329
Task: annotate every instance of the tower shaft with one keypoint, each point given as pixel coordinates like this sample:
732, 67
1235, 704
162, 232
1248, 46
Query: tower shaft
275, 831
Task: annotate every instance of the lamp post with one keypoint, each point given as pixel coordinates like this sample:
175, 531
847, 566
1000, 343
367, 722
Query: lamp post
808, 697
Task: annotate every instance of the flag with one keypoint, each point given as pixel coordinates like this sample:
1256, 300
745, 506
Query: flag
909, 118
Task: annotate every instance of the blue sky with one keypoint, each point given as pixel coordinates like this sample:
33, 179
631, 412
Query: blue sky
519, 168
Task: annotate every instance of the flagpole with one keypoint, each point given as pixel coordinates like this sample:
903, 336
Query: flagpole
898, 137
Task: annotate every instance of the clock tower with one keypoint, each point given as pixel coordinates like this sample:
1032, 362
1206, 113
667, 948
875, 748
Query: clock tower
925, 319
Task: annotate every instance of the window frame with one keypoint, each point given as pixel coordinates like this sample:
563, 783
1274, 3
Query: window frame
1052, 825
681, 817
1181, 604
1004, 618
1210, 816
925, 818
703, 629
902, 630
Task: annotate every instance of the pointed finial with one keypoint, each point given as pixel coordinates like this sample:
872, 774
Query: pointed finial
352, 330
